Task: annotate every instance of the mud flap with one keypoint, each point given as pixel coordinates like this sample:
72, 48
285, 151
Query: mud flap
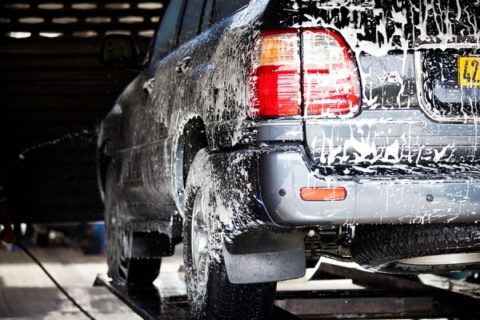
265, 266
151, 245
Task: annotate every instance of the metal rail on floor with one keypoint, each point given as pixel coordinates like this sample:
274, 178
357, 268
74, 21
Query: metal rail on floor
376, 296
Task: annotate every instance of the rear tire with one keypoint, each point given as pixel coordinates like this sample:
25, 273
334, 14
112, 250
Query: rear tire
385, 247
210, 293
123, 269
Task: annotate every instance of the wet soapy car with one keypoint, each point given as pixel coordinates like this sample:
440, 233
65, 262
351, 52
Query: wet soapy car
267, 134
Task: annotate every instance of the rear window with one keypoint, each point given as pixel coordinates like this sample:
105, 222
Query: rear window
224, 8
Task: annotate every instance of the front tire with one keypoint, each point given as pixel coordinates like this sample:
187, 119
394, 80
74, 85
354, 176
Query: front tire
122, 268
210, 293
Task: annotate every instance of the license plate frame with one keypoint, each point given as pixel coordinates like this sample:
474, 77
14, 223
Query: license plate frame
469, 71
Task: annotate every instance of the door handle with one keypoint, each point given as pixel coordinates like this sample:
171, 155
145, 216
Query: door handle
148, 85
183, 65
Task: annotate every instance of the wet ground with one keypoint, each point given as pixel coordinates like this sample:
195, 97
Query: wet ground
26, 293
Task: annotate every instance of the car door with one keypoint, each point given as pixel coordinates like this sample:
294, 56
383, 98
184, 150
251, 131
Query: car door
143, 166
171, 86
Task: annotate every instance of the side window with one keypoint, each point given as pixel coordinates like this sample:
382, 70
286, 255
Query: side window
207, 15
166, 35
191, 20
224, 8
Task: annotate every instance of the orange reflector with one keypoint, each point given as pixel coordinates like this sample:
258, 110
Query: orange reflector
323, 194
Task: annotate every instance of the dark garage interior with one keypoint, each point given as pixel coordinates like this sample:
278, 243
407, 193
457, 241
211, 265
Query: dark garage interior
57, 87
54, 93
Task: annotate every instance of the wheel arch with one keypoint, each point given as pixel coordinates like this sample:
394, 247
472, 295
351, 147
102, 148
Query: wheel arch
192, 139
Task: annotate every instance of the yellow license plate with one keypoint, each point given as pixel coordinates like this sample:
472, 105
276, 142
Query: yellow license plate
469, 71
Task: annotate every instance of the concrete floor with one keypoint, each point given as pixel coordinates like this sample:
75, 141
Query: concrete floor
27, 293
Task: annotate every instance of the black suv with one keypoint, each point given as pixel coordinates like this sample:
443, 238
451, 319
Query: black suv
267, 134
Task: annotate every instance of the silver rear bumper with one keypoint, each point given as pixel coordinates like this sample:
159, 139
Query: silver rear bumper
371, 199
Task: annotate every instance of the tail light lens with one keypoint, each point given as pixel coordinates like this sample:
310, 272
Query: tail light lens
325, 81
330, 79
275, 78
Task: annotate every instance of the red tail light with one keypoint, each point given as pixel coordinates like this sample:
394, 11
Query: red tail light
325, 81
275, 84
